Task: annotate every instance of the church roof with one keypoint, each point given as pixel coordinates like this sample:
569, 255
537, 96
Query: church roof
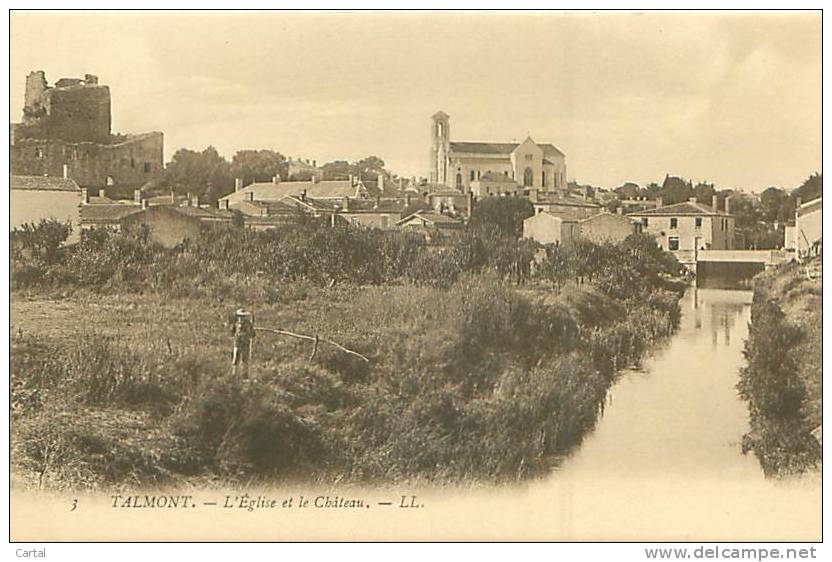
505, 148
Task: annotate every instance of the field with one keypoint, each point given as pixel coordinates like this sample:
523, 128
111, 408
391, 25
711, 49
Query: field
477, 367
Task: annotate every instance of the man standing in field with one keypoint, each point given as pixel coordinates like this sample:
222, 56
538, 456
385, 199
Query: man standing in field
243, 331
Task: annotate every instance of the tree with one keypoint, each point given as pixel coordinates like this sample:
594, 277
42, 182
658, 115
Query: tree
366, 168
704, 192
505, 213
810, 189
370, 167
338, 170
771, 202
675, 190
628, 190
204, 173
258, 165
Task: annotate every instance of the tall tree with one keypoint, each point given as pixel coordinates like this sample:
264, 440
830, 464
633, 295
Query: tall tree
504, 213
771, 202
205, 173
258, 165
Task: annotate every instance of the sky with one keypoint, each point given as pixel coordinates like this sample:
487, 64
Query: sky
730, 98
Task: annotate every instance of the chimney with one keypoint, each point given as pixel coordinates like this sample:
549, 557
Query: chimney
66, 171
715, 202
144, 203
137, 195
346, 204
238, 184
250, 196
223, 204
381, 182
659, 202
85, 196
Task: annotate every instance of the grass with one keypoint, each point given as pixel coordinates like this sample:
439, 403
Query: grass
473, 382
787, 306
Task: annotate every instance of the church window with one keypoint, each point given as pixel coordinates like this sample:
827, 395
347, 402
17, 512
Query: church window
528, 177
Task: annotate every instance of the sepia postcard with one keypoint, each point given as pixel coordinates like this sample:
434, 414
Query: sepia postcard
416, 276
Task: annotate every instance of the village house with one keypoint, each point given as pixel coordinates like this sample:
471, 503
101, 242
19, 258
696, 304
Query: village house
167, 224
451, 201
277, 190
685, 228
298, 169
549, 228
526, 165
804, 237
563, 205
433, 226
36, 198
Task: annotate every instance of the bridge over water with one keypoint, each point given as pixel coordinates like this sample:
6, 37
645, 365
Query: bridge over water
730, 268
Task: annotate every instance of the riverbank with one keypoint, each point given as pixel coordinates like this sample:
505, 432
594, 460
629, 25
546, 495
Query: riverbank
473, 383
782, 378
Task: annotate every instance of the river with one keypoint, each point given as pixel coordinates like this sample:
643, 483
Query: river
664, 463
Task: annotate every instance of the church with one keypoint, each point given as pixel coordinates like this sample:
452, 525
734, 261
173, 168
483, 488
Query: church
487, 168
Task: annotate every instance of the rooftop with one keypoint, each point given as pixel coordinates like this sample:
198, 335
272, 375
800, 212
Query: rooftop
504, 148
44, 183
687, 208
327, 189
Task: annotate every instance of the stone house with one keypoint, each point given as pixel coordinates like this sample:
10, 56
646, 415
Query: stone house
685, 228
607, 227
808, 227
35, 198
547, 228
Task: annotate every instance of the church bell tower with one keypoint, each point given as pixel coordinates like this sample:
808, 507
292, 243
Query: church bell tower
440, 145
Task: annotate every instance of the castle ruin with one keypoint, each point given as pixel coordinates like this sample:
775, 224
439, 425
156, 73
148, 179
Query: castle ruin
66, 132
